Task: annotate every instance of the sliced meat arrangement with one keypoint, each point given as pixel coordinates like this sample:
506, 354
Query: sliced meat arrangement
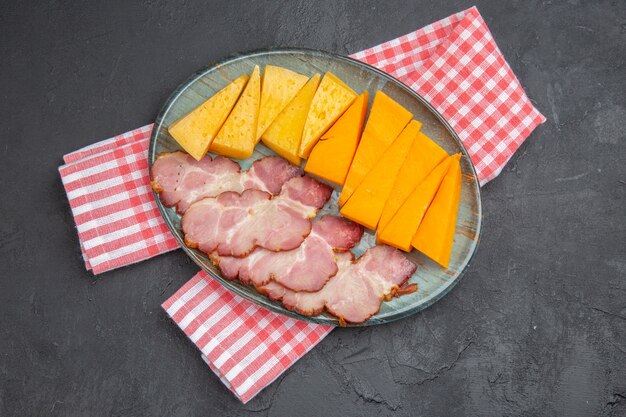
306, 268
255, 225
180, 180
358, 289
234, 224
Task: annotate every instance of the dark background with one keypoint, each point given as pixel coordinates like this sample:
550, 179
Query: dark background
536, 327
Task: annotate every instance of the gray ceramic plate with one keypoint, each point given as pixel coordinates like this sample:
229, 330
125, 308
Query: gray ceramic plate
433, 281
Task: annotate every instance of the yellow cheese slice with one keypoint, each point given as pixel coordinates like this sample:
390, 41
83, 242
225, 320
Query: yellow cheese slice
399, 231
385, 122
368, 200
236, 138
423, 157
284, 134
278, 87
331, 99
435, 235
332, 155
195, 131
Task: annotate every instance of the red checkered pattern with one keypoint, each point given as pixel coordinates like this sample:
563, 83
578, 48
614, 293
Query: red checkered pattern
109, 144
108, 188
247, 346
454, 63
457, 67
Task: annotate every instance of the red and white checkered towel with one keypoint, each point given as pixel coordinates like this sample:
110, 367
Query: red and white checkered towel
245, 345
454, 63
108, 188
457, 67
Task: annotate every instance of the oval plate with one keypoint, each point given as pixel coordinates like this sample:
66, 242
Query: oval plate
433, 281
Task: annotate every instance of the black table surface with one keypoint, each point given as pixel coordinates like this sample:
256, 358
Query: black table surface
536, 327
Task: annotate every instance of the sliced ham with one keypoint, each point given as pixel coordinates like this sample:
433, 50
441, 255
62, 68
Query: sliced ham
358, 289
306, 268
306, 303
234, 224
269, 174
180, 180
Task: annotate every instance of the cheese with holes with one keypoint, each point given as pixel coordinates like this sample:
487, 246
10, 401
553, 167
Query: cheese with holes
284, 134
401, 228
278, 87
332, 155
368, 200
423, 157
435, 235
331, 99
236, 138
385, 122
195, 131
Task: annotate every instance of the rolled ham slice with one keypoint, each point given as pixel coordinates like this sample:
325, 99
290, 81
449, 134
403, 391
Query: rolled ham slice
180, 180
358, 289
306, 268
233, 224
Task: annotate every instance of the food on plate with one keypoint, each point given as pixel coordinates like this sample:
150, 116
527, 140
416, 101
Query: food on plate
332, 155
435, 234
257, 226
234, 224
331, 99
399, 231
385, 122
368, 200
306, 268
358, 289
195, 131
237, 137
278, 87
284, 134
180, 180
422, 158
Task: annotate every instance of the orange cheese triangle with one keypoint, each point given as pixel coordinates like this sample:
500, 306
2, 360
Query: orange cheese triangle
195, 131
435, 234
284, 134
332, 98
278, 87
385, 122
423, 157
332, 155
399, 231
236, 138
367, 202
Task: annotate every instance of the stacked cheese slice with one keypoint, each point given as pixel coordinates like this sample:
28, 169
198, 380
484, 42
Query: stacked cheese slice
287, 110
403, 184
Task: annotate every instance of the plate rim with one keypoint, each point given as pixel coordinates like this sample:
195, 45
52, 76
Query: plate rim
397, 314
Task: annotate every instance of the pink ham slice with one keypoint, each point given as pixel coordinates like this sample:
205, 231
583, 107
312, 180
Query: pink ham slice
234, 224
358, 289
306, 268
180, 180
